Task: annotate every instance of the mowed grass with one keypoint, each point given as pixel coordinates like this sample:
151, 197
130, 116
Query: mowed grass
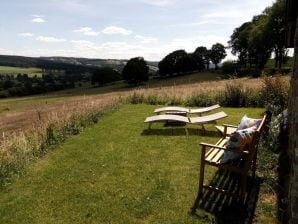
116, 172
4, 70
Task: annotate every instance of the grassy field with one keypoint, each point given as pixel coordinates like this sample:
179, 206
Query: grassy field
18, 114
119, 172
16, 70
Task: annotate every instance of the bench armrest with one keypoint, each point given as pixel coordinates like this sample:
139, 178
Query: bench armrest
222, 148
230, 125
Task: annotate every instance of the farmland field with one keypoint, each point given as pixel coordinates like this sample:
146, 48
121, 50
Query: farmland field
6, 70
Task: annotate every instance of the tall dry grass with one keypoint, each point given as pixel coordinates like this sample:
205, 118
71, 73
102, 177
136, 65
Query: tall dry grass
50, 126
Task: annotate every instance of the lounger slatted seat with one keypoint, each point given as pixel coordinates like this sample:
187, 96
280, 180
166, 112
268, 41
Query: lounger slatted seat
171, 109
208, 118
187, 120
198, 111
203, 110
167, 117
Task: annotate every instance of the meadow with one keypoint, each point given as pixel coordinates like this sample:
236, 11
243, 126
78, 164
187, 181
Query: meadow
39, 131
118, 171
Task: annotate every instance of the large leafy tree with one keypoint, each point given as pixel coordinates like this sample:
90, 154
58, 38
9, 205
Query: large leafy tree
239, 43
217, 53
254, 41
259, 44
135, 71
276, 27
170, 64
201, 55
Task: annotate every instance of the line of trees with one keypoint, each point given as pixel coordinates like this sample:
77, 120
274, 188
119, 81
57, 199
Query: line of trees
180, 61
254, 41
51, 80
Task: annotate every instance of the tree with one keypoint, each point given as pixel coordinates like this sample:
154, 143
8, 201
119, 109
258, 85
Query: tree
292, 15
104, 75
259, 43
135, 71
201, 55
169, 64
187, 63
239, 43
217, 53
276, 26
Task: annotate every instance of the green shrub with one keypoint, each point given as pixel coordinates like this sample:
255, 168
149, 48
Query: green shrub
202, 100
274, 94
235, 95
229, 68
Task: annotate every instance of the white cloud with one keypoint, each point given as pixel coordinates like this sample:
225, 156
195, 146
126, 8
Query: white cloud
88, 31
26, 34
116, 30
159, 2
50, 39
37, 19
146, 40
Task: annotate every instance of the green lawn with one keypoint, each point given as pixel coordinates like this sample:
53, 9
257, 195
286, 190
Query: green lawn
117, 172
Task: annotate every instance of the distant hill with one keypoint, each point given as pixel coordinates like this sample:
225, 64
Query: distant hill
40, 62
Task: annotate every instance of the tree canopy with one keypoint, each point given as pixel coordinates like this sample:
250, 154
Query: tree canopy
254, 41
217, 53
135, 71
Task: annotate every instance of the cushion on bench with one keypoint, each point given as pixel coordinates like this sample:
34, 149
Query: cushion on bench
247, 122
237, 141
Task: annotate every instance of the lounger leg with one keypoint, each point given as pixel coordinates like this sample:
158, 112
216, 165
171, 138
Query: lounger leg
201, 181
149, 126
203, 129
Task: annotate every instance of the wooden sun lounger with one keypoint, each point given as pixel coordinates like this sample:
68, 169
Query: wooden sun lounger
198, 111
212, 118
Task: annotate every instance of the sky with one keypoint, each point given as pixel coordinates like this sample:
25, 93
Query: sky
119, 29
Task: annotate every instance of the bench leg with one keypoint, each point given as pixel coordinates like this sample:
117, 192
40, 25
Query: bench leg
201, 181
243, 186
254, 165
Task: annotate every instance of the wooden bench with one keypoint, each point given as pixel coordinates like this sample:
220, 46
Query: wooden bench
241, 166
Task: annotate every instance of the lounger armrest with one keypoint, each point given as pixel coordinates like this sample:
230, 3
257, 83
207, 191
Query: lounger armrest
223, 148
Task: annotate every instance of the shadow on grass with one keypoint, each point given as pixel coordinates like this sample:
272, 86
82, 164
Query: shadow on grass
228, 210
179, 132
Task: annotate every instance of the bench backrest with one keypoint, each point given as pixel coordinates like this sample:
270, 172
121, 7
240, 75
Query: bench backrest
253, 146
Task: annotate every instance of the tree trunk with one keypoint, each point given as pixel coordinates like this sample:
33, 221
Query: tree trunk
280, 58
293, 137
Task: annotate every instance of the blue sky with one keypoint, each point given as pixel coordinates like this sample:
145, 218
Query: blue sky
119, 29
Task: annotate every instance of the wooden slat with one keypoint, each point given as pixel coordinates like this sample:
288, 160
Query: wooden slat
217, 158
226, 192
208, 118
164, 117
204, 110
171, 109
211, 155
